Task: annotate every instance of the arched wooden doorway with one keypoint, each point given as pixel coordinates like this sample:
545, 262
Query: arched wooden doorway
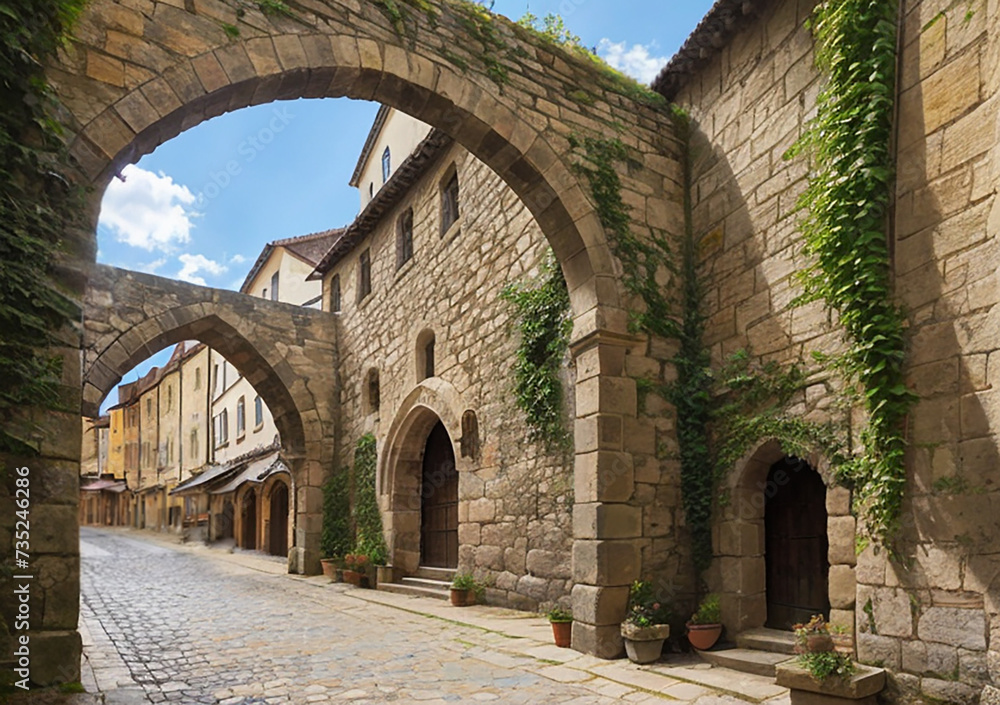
248, 524
277, 542
795, 544
439, 502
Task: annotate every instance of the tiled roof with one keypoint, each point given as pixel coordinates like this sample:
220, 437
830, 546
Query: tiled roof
723, 21
310, 248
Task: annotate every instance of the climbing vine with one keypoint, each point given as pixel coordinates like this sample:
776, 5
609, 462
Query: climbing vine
844, 228
338, 537
367, 518
544, 324
37, 206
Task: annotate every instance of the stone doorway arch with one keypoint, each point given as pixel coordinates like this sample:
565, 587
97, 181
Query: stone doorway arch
433, 403
739, 571
276, 516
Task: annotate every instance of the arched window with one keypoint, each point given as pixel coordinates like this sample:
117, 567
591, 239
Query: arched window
404, 238
386, 165
470, 435
258, 412
425, 355
241, 417
364, 275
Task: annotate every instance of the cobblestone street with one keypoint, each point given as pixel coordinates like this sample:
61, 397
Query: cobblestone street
186, 624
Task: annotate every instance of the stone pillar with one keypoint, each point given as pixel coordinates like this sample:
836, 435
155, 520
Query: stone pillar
52, 572
606, 529
303, 557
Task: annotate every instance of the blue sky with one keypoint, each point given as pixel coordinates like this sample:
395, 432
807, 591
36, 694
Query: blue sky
203, 205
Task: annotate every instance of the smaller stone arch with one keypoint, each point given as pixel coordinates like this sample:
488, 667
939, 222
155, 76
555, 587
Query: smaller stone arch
277, 530
248, 518
738, 573
430, 402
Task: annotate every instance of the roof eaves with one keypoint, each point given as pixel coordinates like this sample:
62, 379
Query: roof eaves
713, 32
366, 151
394, 190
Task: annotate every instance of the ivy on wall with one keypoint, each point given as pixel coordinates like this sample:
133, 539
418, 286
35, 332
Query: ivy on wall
846, 206
37, 205
367, 518
337, 537
544, 326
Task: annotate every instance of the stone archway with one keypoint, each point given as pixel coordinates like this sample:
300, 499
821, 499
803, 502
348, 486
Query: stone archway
431, 403
133, 76
276, 511
739, 572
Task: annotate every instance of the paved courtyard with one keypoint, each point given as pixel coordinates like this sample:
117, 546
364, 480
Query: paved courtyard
186, 624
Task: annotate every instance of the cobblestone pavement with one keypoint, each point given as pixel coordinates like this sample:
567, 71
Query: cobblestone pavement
166, 624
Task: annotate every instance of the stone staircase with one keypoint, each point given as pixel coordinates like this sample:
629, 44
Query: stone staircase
757, 651
426, 582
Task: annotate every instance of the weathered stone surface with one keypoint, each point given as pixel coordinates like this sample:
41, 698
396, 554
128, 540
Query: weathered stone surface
881, 650
990, 696
965, 628
893, 616
866, 681
949, 691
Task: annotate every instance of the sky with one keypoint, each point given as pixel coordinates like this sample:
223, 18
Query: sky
201, 207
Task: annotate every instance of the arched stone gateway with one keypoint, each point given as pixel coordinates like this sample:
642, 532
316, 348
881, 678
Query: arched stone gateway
286, 352
136, 74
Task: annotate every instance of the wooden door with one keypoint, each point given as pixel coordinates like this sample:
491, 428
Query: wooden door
439, 502
278, 540
795, 544
249, 517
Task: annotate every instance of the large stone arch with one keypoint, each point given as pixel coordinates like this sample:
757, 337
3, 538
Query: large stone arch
286, 352
136, 74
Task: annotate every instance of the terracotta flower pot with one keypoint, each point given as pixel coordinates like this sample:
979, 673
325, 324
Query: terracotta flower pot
329, 568
353, 577
644, 644
462, 598
703, 636
817, 643
562, 632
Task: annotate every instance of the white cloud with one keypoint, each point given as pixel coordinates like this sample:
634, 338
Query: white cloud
152, 267
148, 210
637, 61
195, 264
237, 259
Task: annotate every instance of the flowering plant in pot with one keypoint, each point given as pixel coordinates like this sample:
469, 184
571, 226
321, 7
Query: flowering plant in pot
705, 625
355, 569
465, 590
562, 625
816, 649
645, 627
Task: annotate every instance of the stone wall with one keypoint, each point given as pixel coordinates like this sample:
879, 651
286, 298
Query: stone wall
931, 615
515, 499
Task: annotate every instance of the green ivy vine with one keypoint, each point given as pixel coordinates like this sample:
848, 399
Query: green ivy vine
544, 326
844, 228
37, 206
337, 538
367, 517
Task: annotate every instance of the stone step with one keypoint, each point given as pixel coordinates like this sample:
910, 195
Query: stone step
764, 639
443, 574
415, 590
428, 583
759, 663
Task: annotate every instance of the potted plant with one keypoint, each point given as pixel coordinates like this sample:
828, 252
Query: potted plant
705, 626
332, 568
355, 569
821, 668
562, 625
645, 627
464, 590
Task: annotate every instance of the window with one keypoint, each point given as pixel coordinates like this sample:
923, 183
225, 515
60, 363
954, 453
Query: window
371, 191
274, 286
364, 275
449, 203
258, 411
170, 398
149, 406
222, 428
372, 392
386, 165
425, 355
335, 294
404, 238
263, 293
241, 417
194, 443
197, 378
